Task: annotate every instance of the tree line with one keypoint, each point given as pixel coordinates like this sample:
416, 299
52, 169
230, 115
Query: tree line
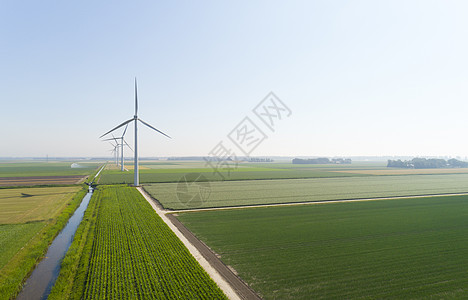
423, 163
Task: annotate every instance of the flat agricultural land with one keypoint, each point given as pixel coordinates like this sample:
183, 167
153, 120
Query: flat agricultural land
42, 173
129, 252
41, 180
23, 213
394, 171
252, 192
29, 220
401, 249
14, 236
33, 204
30, 169
175, 171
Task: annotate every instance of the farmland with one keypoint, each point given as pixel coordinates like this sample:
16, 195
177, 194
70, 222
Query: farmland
43, 173
33, 204
15, 236
251, 192
41, 180
167, 172
173, 172
29, 220
28, 169
380, 249
337, 250
133, 254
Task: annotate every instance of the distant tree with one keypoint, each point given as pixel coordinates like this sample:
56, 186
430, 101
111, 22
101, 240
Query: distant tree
423, 163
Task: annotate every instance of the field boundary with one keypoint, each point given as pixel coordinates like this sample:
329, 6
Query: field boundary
196, 253
311, 202
241, 288
42, 180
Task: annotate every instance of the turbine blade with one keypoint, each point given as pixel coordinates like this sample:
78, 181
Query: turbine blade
124, 123
128, 145
125, 130
111, 139
153, 128
136, 98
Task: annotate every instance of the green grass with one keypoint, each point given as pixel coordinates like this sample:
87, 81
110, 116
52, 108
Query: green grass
73, 269
24, 169
233, 193
15, 236
33, 240
388, 249
22, 205
131, 253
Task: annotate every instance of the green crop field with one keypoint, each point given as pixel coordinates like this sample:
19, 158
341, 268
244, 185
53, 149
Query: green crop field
134, 254
251, 192
29, 220
389, 249
32, 204
166, 172
244, 173
23, 169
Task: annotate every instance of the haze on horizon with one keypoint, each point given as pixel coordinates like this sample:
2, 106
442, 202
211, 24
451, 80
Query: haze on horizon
361, 78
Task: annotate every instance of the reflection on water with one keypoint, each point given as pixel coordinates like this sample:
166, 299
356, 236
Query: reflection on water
43, 277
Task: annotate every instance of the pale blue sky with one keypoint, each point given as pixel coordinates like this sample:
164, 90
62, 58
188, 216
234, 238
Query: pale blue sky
361, 77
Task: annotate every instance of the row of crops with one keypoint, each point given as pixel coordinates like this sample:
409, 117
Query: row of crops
389, 249
251, 192
134, 254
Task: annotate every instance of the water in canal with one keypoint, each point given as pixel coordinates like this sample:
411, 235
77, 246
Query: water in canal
43, 277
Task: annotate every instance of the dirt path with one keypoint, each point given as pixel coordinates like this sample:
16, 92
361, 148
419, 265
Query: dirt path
232, 286
310, 203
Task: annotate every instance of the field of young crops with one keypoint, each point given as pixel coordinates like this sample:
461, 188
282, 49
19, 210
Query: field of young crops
399, 249
175, 172
134, 254
21, 169
250, 192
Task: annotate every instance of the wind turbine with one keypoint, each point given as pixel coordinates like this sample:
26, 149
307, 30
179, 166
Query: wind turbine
122, 143
135, 119
115, 152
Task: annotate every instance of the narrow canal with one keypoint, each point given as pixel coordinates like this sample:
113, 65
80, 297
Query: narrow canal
42, 279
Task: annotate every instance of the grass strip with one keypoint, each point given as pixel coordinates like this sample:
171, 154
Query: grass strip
71, 280
17, 270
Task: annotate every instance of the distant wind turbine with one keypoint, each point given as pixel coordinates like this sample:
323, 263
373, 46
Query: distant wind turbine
115, 152
122, 143
135, 119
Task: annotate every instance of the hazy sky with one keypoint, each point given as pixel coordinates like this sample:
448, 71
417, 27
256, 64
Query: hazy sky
360, 77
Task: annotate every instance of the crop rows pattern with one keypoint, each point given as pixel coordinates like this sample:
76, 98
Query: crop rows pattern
136, 256
251, 192
390, 249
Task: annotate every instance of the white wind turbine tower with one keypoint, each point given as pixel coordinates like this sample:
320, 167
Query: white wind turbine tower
121, 144
114, 151
135, 119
